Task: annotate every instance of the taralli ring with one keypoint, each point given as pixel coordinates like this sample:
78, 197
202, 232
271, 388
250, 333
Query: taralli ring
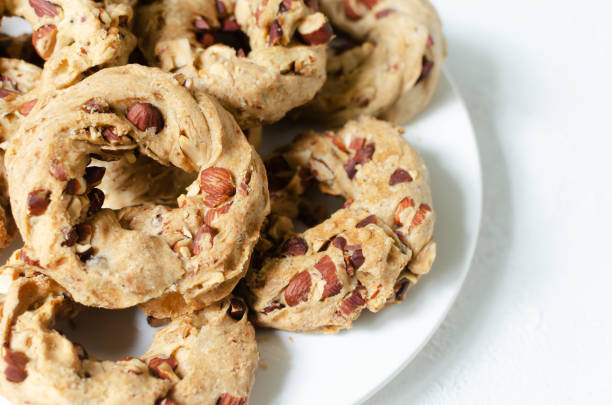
206, 357
259, 58
76, 36
183, 257
18, 80
385, 60
367, 254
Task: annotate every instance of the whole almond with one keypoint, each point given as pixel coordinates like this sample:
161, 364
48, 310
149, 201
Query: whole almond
218, 185
145, 116
44, 39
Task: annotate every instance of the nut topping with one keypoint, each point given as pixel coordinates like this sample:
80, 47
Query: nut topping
275, 33
145, 116
327, 268
227, 399
370, 219
163, 367
400, 176
218, 184
427, 67
236, 309
316, 30
298, 288
419, 217
27, 107
196, 247
38, 201
350, 10
44, 39
44, 8
352, 302
357, 259
384, 13
96, 199
404, 204
296, 246
93, 175
110, 134
15, 370
58, 171
95, 106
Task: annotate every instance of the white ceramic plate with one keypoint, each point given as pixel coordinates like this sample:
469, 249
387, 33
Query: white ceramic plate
351, 366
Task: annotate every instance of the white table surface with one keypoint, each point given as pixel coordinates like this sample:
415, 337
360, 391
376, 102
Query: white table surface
533, 323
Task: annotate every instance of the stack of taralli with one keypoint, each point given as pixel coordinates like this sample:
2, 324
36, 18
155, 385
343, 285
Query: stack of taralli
129, 168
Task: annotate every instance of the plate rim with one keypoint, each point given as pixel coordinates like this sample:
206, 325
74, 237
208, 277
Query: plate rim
470, 257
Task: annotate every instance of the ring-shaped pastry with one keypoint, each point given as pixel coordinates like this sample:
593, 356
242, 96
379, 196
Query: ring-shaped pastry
367, 254
181, 257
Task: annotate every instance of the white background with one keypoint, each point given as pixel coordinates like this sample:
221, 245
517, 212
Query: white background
533, 323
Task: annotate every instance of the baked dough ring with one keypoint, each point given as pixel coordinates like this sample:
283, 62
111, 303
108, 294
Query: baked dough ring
188, 256
367, 254
389, 68
278, 74
18, 79
76, 37
200, 358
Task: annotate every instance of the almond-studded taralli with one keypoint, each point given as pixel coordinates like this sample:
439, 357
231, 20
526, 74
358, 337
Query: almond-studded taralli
260, 58
367, 254
177, 258
76, 37
206, 357
384, 61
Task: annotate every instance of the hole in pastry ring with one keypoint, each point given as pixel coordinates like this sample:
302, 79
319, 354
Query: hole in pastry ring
38, 362
74, 36
367, 254
184, 257
17, 80
284, 68
388, 67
